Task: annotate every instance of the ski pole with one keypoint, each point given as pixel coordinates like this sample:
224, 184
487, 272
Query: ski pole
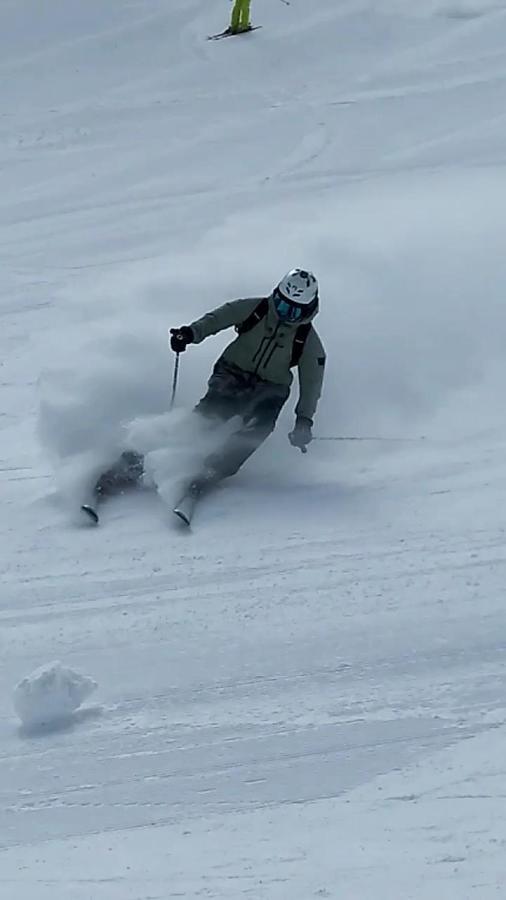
174, 381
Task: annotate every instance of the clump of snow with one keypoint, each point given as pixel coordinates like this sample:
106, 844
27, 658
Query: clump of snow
51, 693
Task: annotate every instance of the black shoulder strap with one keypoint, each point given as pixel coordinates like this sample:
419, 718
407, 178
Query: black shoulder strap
254, 318
298, 343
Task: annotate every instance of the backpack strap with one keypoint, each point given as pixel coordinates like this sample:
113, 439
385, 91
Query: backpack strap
254, 318
298, 343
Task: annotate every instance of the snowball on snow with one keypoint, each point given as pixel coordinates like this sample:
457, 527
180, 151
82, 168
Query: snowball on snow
51, 693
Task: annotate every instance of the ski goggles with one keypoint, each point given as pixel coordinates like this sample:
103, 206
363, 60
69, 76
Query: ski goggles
288, 310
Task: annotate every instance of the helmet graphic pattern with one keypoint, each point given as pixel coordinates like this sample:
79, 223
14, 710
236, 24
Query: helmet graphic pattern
299, 285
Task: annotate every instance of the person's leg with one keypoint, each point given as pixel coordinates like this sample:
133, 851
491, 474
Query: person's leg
244, 21
235, 17
227, 391
125, 473
258, 423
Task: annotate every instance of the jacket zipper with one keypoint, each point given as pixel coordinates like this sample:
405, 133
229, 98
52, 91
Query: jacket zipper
271, 354
260, 348
266, 349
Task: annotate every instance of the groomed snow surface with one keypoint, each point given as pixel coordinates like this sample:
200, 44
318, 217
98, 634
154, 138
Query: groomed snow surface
304, 697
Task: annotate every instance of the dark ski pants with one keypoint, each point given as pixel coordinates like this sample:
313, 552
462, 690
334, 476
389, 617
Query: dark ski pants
230, 392
233, 392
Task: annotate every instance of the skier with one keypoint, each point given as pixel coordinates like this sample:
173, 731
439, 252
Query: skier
240, 18
252, 377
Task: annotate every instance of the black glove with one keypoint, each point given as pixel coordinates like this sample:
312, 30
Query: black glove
301, 435
180, 338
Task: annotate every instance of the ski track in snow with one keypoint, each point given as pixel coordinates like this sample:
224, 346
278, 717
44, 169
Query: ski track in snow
304, 696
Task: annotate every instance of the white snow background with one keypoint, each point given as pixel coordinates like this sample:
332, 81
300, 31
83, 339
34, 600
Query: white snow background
305, 696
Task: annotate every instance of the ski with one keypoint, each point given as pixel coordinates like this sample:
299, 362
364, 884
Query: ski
194, 491
227, 33
183, 510
90, 513
185, 507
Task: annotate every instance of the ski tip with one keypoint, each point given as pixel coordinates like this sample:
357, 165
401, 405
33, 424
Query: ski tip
182, 516
92, 515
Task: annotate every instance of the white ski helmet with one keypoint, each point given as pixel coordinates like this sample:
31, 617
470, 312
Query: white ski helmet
299, 286
296, 296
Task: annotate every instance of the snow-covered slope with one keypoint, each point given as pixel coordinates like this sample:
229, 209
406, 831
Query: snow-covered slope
304, 697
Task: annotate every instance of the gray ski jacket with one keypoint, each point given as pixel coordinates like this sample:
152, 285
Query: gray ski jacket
266, 349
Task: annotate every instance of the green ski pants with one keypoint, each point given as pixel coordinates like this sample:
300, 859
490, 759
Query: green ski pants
240, 15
